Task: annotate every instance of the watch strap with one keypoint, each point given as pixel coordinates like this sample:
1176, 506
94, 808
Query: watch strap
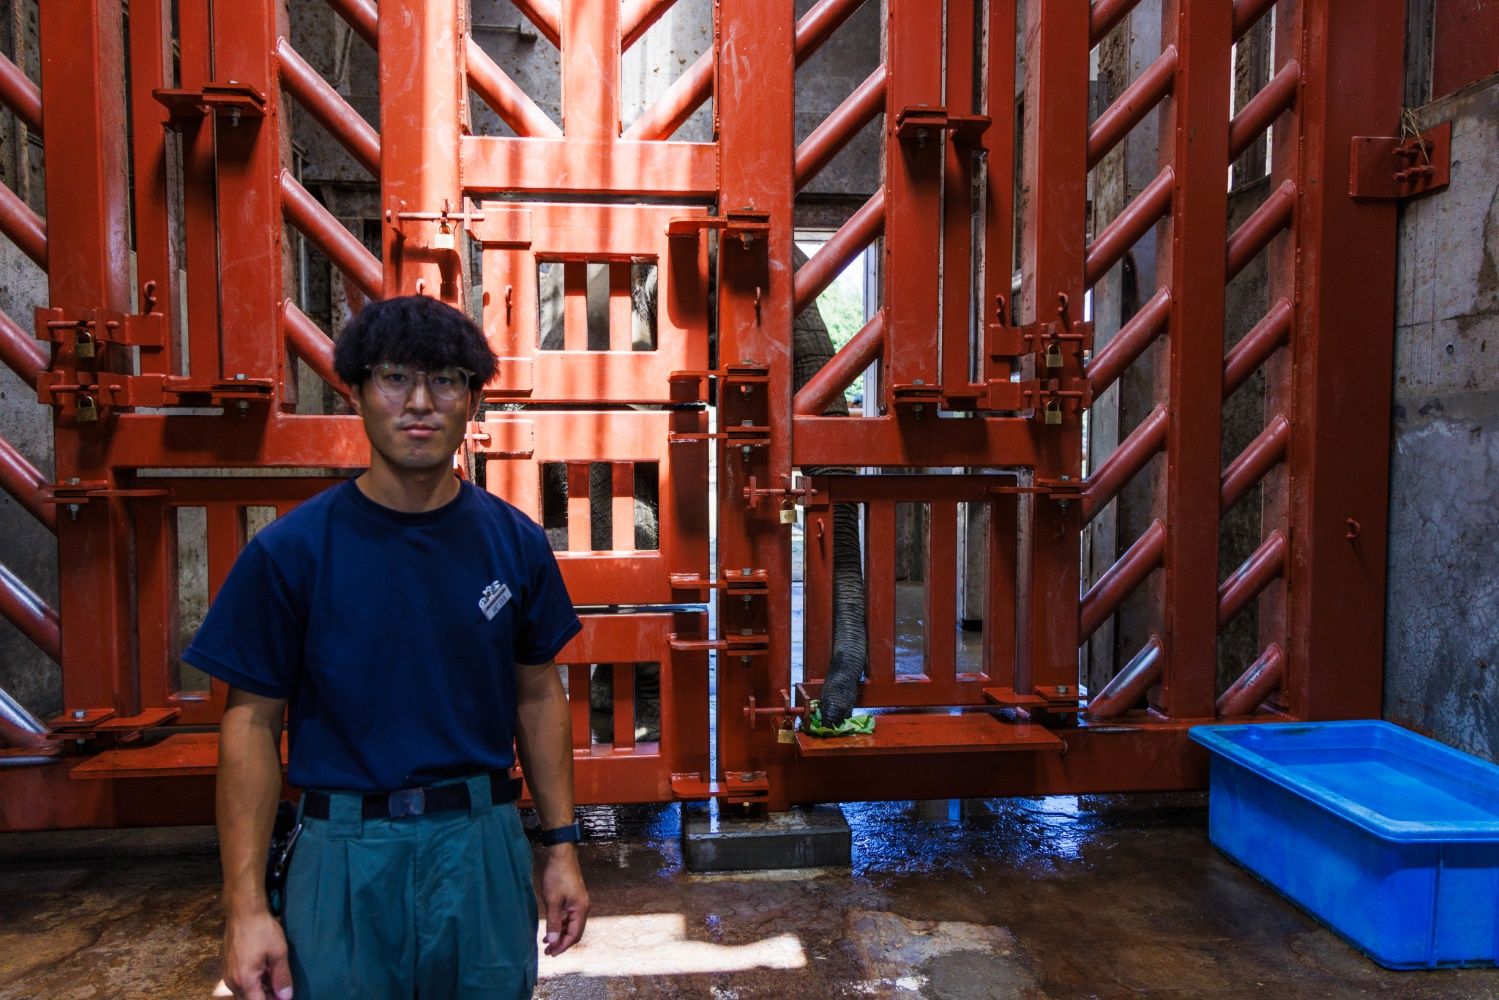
569, 834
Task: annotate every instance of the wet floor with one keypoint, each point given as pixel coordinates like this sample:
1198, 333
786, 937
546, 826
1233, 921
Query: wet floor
1060, 897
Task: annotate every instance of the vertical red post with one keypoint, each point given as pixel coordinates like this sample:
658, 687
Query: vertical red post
1052, 235
590, 70
998, 144
1186, 496
958, 285
421, 90
88, 255
913, 196
1338, 463
150, 57
755, 100
199, 198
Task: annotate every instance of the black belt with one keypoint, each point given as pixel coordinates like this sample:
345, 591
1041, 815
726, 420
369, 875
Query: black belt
416, 801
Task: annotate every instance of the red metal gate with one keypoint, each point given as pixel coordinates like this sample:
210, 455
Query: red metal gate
979, 402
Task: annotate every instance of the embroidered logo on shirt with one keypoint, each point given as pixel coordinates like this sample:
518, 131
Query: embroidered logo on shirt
495, 596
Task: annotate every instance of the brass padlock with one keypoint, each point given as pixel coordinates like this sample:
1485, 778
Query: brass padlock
83, 346
788, 515
785, 734
88, 410
1054, 354
1053, 411
444, 238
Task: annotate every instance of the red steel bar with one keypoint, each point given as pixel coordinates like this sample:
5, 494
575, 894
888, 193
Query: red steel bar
1126, 346
21, 354
1137, 101
835, 131
18, 93
1121, 579
24, 481
692, 88
1260, 228
1260, 681
547, 18
847, 243
841, 369
311, 344
1273, 330
636, 19
501, 93
1247, 14
328, 107
362, 15
1263, 108
337, 243
25, 228
1245, 583
1267, 448
1104, 15
1128, 226
30, 614
1125, 689
1126, 461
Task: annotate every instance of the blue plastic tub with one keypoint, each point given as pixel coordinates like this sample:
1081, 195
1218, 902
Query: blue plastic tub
1390, 838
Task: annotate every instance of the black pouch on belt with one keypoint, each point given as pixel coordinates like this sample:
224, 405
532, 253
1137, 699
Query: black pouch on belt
283, 839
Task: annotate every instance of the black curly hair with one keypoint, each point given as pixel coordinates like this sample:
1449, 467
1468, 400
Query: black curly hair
412, 330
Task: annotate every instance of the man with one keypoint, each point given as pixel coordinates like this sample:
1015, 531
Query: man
410, 621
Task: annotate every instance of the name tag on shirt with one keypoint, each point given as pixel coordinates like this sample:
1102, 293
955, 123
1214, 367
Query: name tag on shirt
495, 597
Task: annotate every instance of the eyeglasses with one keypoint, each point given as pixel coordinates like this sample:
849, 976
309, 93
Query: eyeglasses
396, 382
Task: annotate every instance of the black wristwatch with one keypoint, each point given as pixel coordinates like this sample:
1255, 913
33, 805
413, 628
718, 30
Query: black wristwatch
569, 834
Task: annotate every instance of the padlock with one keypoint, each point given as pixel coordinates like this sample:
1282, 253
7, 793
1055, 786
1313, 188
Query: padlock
788, 515
785, 734
444, 238
88, 410
1053, 411
1054, 354
83, 346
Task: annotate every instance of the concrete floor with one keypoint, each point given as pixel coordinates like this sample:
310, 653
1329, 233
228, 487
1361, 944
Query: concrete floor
1061, 897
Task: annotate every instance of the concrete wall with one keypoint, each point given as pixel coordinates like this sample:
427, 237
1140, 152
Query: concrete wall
1442, 625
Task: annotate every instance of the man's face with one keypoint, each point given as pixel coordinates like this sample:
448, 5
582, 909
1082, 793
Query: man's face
413, 430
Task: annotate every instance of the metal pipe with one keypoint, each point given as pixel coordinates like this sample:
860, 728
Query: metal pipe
1126, 346
363, 16
1247, 13
25, 228
337, 243
1263, 108
636, 19
547, 18
1121, 579
18, 93
19, 351
1126, 461
18, 727
501, 93
835, 131
1104, 15
1125, 689
1128, 226
1273, 330
25, 481
312, 345
36, 619
1142, 95
839, 372
1260, 228
1260, 681
328, 107
692, 88
1263, 565
1267, 448
846, 244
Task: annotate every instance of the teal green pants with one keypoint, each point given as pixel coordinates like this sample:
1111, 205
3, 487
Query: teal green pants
427, 907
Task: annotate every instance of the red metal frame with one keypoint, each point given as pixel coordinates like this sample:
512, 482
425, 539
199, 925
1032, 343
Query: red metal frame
979, 400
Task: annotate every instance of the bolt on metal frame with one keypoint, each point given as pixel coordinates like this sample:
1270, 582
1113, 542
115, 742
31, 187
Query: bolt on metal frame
980, 400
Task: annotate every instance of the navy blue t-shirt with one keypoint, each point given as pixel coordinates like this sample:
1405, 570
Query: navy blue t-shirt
394, 636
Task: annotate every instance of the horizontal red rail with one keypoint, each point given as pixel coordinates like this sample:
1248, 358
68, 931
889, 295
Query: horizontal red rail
827, 139
636, 19
1137, 101
1260, 681
337, 243
35, 619
1260, 228
362, 15
1273, 330
1105, 15
325, 104
1263, 565
1143, 443
1128, 226
1126, 346
18, 93
546, 16
1247, 14
504, 95
1263, 108
25, 228
841, 369
847, 243
24, 481
21, 354
1125, 689
1267, 448
1121, 579
311, 344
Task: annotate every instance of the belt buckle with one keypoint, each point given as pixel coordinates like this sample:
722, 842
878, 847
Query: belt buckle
407, 802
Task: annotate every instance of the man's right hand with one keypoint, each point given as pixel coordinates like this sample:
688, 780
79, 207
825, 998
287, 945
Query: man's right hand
255, 959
